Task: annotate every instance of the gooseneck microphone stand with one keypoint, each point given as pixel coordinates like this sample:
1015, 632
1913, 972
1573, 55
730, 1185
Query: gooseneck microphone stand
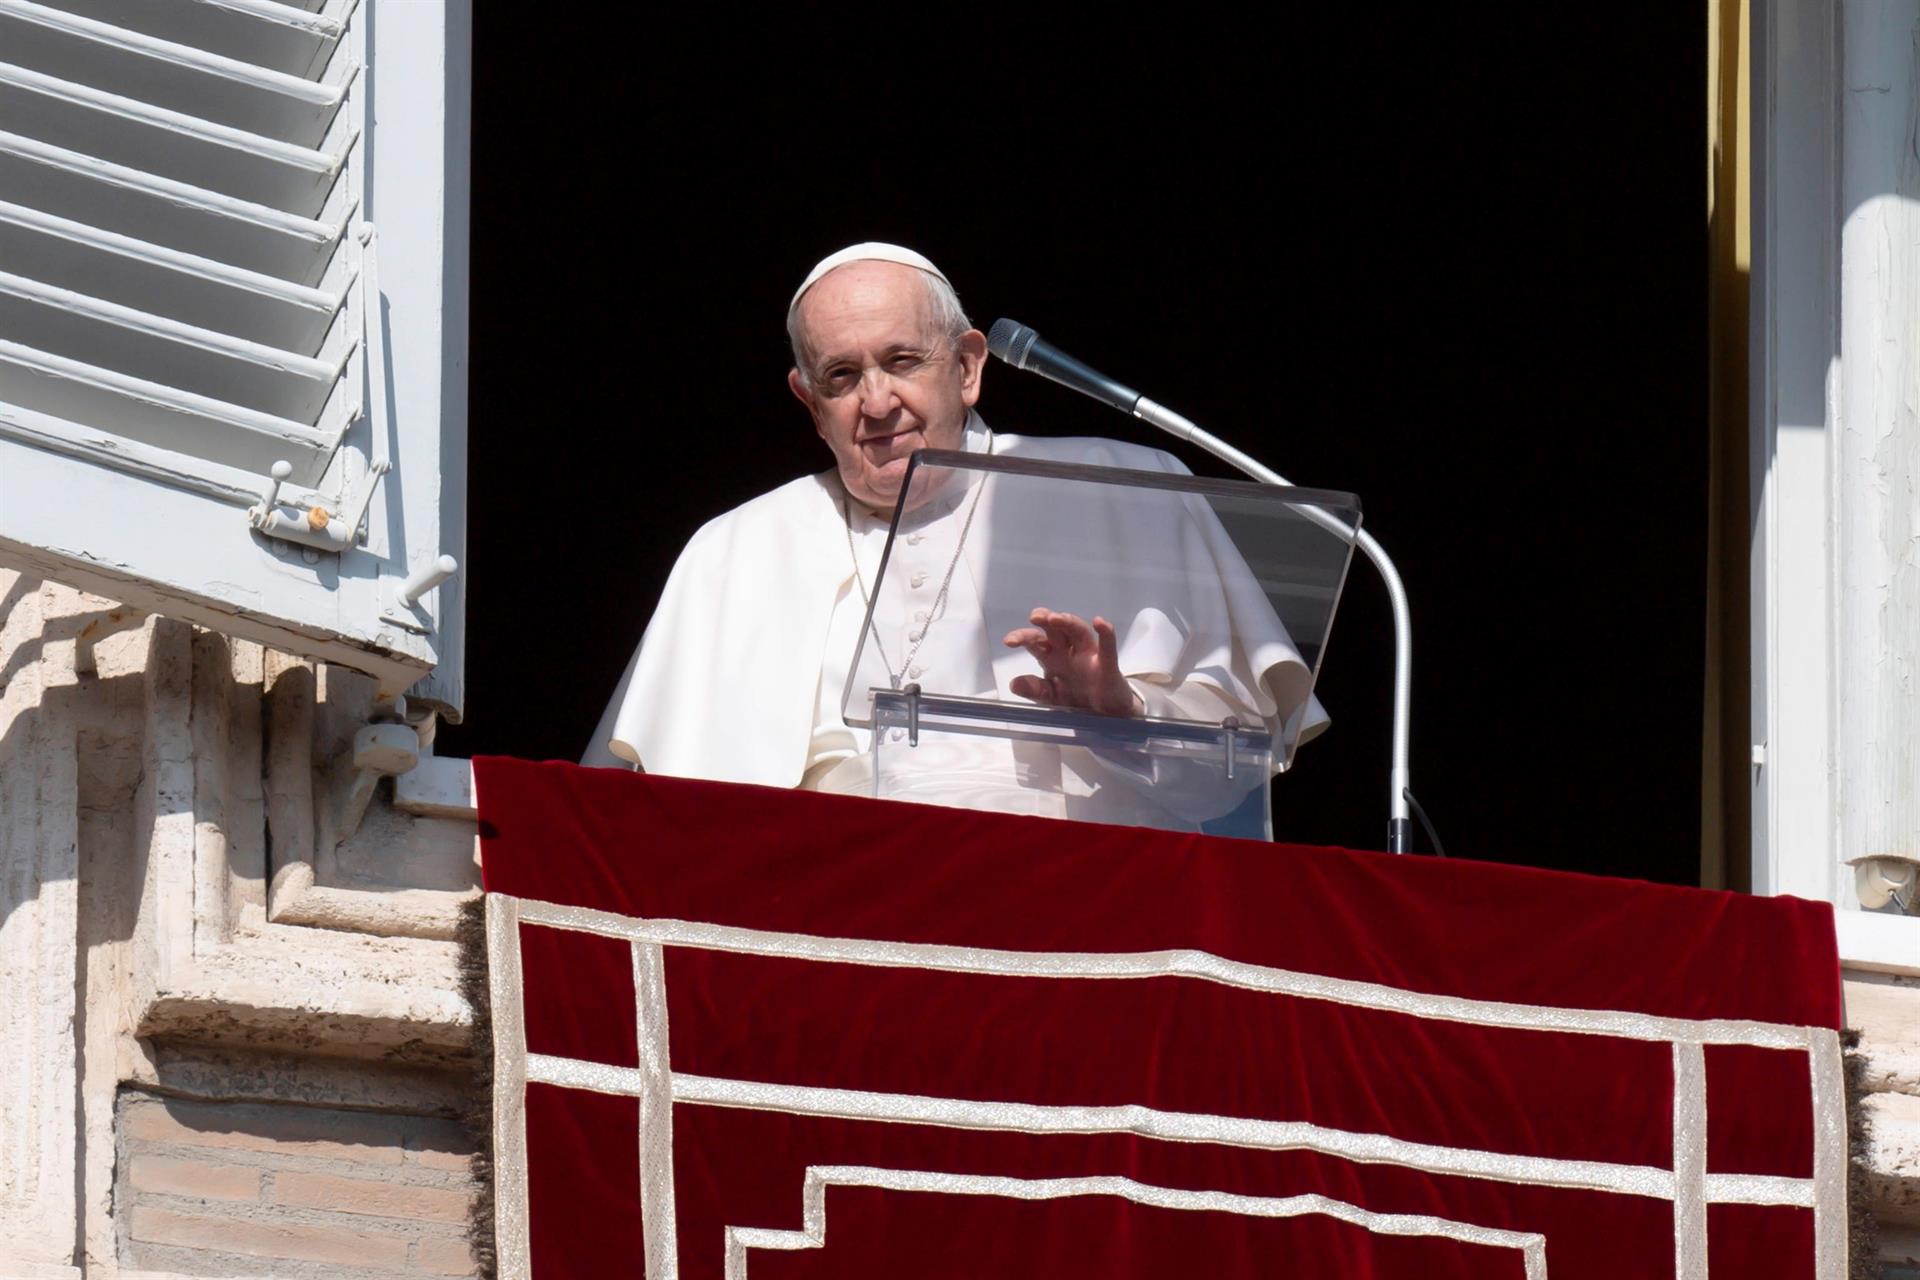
1022, 348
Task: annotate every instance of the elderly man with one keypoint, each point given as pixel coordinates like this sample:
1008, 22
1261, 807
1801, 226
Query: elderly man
741, 673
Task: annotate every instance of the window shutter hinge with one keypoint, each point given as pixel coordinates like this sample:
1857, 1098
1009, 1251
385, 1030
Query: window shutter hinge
315, 528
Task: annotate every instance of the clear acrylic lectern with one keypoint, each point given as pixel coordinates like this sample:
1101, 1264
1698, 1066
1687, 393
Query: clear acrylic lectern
1220, 593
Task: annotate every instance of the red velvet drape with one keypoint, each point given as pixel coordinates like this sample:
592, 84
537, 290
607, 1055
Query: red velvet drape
835, 867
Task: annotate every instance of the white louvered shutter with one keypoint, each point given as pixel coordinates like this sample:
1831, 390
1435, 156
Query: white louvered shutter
233, 235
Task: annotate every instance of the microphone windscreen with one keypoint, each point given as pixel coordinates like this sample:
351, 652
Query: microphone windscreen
1011, 341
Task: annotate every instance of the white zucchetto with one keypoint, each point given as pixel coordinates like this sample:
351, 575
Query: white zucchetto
870, 251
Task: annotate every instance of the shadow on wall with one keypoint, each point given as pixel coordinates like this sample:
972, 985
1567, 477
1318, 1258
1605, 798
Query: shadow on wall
72, 757
79, 800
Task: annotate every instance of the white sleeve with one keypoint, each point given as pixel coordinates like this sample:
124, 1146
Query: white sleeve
602, 751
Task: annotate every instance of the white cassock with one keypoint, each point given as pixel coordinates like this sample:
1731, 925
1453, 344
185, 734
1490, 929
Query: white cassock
741, 673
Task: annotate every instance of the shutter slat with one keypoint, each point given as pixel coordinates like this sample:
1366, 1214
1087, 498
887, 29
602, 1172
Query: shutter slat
282, 37
158, 349
175, 215
90, 444
166, 143
155, 413
164, 74
181, 286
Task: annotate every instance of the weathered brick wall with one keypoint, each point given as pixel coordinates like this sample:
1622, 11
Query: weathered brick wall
278, 1189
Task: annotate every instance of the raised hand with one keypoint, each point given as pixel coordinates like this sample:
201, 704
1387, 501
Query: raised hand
1079, 664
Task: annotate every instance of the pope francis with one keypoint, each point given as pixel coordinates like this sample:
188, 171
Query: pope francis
741, 673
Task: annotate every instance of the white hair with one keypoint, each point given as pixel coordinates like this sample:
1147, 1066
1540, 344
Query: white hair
949, 320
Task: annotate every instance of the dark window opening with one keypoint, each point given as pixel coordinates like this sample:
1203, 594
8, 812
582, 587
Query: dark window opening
1458, 271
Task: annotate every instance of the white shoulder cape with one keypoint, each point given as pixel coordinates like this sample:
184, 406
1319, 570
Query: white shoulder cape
725, 680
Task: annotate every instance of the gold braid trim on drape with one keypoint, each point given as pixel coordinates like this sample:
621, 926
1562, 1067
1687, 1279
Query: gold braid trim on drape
477, 1112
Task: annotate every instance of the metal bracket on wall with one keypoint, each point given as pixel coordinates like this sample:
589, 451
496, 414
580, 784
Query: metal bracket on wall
1885, 881
379, 750
403, 598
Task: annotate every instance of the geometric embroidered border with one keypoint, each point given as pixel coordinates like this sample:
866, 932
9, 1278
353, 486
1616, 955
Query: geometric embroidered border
1686, 1185
1532, 1247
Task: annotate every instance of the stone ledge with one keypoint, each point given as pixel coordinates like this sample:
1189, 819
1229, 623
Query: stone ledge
1886, 1012
1894, 1159
228, 1072
432, 914
397, 999
1876, 942
437, 787
1899, 1247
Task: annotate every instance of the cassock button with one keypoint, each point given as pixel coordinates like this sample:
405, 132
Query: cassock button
919, 578
896, 735
920, 615
915, 635
915, 539
914, 673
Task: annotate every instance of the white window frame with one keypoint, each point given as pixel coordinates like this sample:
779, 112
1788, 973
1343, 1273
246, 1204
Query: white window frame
1794, 394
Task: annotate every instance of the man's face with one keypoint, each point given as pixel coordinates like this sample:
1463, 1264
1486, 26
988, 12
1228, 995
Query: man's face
881, 382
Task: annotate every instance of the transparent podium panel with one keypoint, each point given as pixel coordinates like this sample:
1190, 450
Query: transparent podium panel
1097, 643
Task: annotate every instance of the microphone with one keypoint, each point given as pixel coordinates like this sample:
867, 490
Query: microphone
1022, 348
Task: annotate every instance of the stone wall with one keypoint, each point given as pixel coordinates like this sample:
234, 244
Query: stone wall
212, 964
1885, 1009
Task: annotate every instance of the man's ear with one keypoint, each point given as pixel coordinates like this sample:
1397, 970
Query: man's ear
805, 397
971, 347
